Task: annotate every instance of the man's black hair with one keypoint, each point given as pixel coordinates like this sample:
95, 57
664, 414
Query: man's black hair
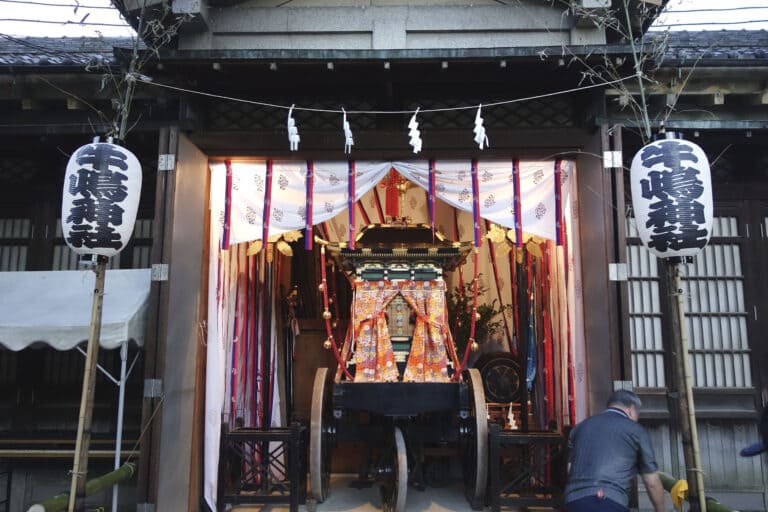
624, 397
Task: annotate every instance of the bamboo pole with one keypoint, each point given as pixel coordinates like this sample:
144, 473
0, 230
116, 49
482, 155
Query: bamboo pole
682, 374
58, 502
77, 491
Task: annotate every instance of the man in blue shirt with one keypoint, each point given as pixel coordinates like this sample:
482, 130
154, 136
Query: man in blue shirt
606, 453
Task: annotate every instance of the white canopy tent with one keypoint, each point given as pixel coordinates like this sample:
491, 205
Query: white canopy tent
54, 308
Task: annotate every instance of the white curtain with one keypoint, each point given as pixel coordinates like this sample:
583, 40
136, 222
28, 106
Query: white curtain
215, 387
288, 201
453, 186
226, 269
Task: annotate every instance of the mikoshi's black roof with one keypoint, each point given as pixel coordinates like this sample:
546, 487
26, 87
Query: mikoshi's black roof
400, 241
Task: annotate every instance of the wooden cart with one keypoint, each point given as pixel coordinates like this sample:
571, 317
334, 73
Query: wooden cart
399, 385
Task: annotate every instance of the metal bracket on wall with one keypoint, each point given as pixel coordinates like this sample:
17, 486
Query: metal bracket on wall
153, 388
166, 162
612, 159
617, 271
623, 384
159, 272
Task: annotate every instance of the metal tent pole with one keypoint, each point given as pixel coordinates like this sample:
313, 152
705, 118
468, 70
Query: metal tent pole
120, 411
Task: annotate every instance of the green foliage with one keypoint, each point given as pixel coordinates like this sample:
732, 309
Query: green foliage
490, 323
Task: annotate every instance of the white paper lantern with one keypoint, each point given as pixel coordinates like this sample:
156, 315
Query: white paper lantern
102, 187
672, 197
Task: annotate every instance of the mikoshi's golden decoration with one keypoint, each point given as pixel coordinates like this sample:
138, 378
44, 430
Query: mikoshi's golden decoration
496, 234
533, 246
284, 248
327, 314
502, 249
327, 344
320, 287
475, 345
254, 248
281, 240
292, 236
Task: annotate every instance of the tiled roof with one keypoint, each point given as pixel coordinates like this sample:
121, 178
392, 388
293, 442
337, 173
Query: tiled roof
725, 47
59, 51
731, 47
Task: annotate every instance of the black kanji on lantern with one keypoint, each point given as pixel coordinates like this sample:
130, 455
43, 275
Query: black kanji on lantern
100, 187
676, 218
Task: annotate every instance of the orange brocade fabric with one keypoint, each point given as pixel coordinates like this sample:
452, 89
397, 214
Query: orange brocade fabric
374, 357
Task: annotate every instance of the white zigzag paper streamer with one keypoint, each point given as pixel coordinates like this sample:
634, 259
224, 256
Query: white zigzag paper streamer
414, 133
293, 131
348, 140
481, 139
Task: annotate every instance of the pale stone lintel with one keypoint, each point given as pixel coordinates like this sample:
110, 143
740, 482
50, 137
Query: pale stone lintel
387, 28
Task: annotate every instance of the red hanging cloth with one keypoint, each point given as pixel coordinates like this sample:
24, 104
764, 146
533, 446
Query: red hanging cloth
227, 207
351, 202
392, 207
308, 235
267, 205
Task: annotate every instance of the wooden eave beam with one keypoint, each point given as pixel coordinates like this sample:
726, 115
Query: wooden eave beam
695, 88
760, 98
41, 87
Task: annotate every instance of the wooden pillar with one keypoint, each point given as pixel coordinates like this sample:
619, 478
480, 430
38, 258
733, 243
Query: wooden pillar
198, 427
146, 490
612, 141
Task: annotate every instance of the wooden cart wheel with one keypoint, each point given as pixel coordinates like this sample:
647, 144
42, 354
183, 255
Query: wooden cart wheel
395, 486
476, 454
319, 444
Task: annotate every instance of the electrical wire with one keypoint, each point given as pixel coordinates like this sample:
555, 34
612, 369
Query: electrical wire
712, 9
81, 6
33, 46
656, 25
96, 24
83, 23
50, 4
147, 81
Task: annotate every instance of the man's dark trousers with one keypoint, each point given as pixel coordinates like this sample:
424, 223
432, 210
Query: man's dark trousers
594, 504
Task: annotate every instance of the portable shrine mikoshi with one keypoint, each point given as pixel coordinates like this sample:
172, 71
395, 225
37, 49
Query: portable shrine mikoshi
399, 384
